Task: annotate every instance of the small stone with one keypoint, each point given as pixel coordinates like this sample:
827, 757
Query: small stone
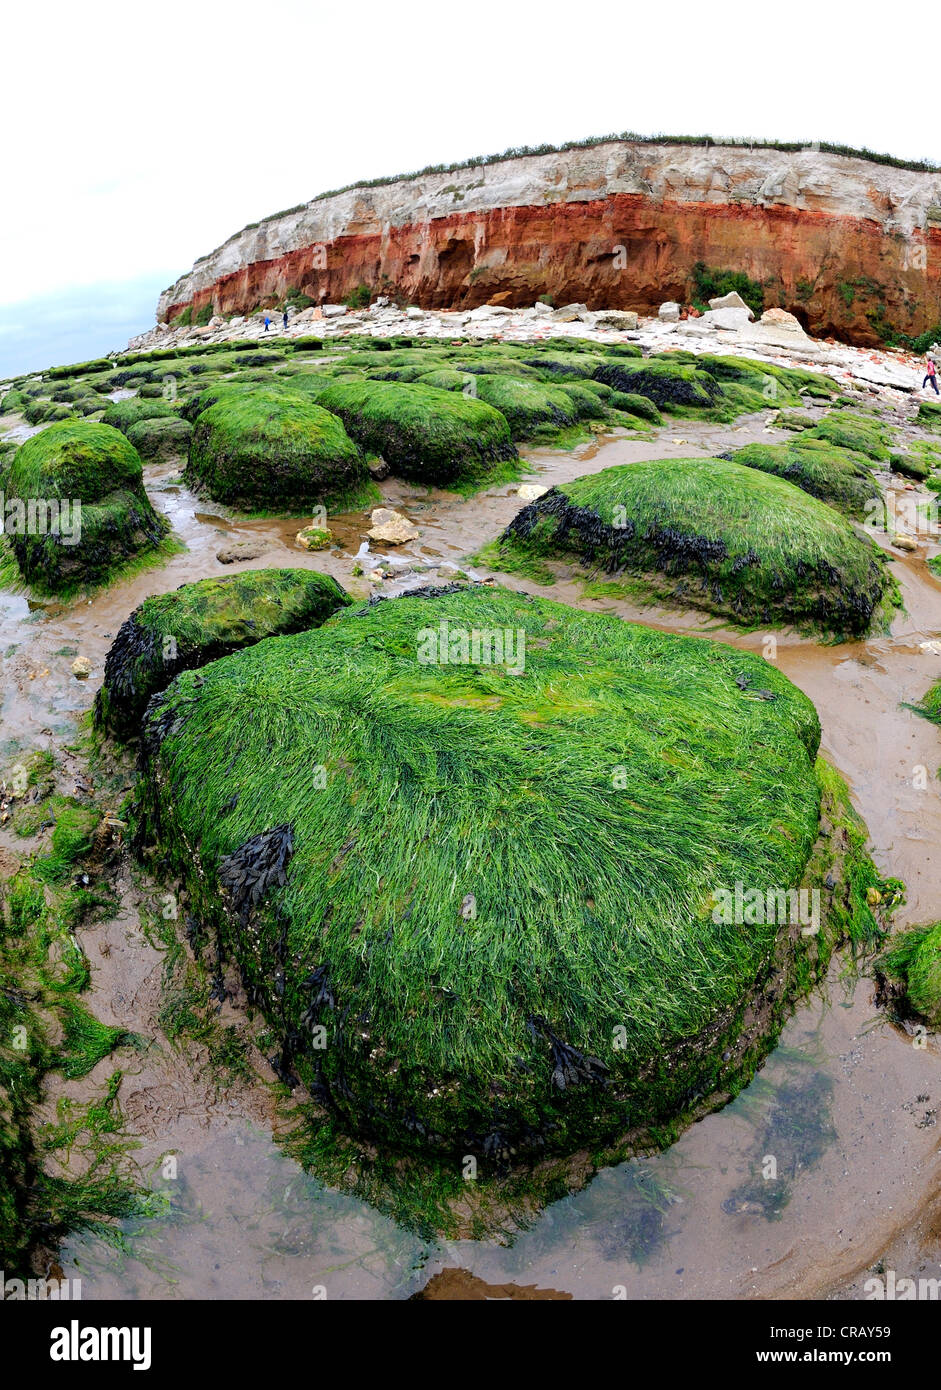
81, 668
378, 469
314, 538
391, 527
530, 491
904, 542
240, 550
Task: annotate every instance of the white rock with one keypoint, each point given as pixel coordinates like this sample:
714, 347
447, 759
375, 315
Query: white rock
412, 312
732, 300
391, 527
333, 311
622, 320
782, 319
669, 311
731, 319
530, 491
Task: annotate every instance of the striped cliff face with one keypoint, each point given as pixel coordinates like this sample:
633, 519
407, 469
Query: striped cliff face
851, 247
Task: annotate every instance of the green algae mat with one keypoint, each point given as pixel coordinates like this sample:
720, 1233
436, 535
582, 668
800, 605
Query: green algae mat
88, 480
466, 847
710, 533
199, 623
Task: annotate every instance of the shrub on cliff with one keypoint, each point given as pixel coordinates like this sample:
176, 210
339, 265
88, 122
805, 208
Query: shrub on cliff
468, 948
80, 461
837, 476
264, 448
711, 534
425, 435
199, 623
712, 283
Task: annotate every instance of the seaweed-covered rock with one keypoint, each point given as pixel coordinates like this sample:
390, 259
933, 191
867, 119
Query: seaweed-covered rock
121, 415
199, 623
528, 406
258, 449
865, 434
87, 480
715, 535
481, 914
837, 476
909, 975
670, 385
161, 437
426, 435
628, 403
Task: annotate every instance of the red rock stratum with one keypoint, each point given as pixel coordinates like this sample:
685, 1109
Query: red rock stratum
849, 245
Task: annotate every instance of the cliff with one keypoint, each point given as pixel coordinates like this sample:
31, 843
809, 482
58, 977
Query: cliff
849, 245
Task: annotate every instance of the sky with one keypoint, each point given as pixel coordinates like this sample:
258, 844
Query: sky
137, 138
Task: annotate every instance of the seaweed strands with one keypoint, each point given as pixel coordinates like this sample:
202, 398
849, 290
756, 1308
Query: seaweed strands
256, 867
569, 1066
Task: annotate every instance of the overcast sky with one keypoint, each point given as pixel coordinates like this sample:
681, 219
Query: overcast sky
137, 138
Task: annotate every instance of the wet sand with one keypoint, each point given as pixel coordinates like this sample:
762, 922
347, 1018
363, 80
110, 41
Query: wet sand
846, 1104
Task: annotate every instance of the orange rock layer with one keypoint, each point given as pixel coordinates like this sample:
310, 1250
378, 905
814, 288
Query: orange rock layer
841, 276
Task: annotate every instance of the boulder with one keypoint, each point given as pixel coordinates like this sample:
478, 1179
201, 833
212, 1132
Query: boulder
732, 300
391, 527
780, 318
574, 313
622, 320
333, 311
669, 312
731, 319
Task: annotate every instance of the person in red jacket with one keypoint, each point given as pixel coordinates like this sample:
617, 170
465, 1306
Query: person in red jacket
932, 376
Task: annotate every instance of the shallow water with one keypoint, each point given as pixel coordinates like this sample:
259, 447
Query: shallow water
846, 1105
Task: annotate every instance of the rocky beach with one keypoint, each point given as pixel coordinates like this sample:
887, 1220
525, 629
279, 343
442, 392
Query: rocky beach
422, 675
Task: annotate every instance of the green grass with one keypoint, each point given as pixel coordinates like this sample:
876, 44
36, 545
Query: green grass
199, 623
836, 476
587, 808
274, 447
711, 534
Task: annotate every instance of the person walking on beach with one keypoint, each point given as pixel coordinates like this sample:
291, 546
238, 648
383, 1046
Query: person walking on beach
267, 321
285, 320
931, 375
